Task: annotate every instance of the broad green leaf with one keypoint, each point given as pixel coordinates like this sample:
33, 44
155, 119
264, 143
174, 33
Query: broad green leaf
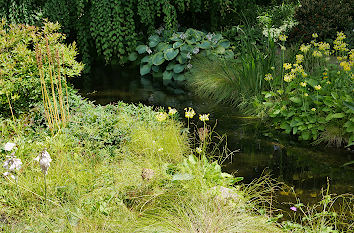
141, 49
204, 44
334, 116
220, 50
146, 59
178, 68
224, 43
177, 44
155, 68
162, 46
295, 100
167, 75
132, 56
170, 54
145, 69
181, 59
179, 77
170, 66
158, 59
153, 40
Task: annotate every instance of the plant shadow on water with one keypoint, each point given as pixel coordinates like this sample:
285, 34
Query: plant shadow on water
304, 167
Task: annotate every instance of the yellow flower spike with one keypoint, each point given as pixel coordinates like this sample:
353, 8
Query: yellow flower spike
171, 111
303, 84
317, 87
314, 35
204, 117
299, 58
304, 48
288, 77
287, 66
268, 77
282, 37
161, 116
317, 53
189, 113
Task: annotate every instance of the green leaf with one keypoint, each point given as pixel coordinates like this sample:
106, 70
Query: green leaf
162, 46
170, 54
182, 176
146, 59
167, 75
132, 56
155, 68
158, 59
224, 43
145, 69
205, 45
181, 59
179, 77
154, 40
305, 135
178, 68
335, 115
177, 44
170, 66
220, 50
141, 49
295, 100
349, 105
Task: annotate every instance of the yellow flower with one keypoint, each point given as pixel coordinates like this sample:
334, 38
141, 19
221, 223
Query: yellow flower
324, 77
189, 112
288, 77
198, 150
161, 116
323, 46
317, 53
306, 94
268, 77
280, 92
305, 48
328, 82
314, 35
171, 111
272, 68
346, 65
313, 109
341, 36
299, 58
282, 37
204, 117
287, 66
303, 84
304, 74
325, 73
317, 87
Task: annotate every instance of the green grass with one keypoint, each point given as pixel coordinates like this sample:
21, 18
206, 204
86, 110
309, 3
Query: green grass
94, 183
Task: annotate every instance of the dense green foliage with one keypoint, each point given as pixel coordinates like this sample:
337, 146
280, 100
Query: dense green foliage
19, 74
169, 56
110, 28
324, 17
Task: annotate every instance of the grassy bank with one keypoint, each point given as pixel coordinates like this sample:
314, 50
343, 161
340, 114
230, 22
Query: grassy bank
117, 168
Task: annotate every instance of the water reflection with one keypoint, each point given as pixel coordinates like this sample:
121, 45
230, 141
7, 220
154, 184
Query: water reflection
304, 167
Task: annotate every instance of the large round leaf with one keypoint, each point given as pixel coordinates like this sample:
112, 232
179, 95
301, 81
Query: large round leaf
161, 46
177, 44
155, 68
224, 43
220, 50
170, 66
182, 59
141, 49
132, 56
204, 44
187, 48
229, 54
154, 40
145, 69
158, 59
146, 59
178, 68
167, 75
170, 54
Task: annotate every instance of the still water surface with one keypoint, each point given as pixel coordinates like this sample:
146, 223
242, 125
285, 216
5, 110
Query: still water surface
305, 167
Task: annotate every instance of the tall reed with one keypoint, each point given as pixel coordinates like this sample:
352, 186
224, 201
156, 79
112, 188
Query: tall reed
50, 66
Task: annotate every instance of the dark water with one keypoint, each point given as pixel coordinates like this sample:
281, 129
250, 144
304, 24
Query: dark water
305, 167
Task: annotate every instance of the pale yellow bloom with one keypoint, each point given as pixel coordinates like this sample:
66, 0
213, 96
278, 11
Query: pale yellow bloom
304, 74
317, 53
287, 66
299, 58
161, 116
318, 87
305, 48
323, 46
268, 77
282, 37
189, 112
198, 150
328, 82
306, 94
204, 117
303, 84
171, 111
314, 35
288, 77
313, 109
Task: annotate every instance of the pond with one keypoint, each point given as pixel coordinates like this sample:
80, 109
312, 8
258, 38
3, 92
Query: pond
305, 167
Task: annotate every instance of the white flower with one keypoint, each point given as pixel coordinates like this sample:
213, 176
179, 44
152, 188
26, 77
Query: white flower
172, 111
148, 50
9, 146
198, 150
9, 174
160, 149
44, 161
189, 56
12, 163
189, 66
196, 50
183, 36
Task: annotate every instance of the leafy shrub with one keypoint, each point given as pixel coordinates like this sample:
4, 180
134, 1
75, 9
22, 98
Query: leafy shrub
314, 95
169, 56
324, 17
19, 75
